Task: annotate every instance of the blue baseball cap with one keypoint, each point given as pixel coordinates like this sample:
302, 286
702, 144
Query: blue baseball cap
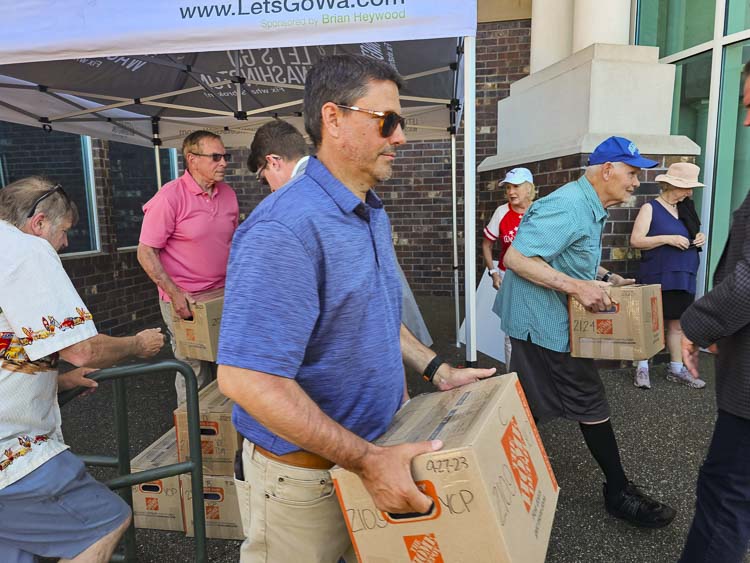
620, 149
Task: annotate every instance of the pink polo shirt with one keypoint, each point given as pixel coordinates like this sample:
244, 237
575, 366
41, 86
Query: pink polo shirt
193, 232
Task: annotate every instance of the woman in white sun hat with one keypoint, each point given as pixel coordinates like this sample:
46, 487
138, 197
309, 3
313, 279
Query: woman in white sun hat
666, 232
503, 226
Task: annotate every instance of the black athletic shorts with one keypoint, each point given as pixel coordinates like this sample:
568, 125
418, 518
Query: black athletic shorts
559, 385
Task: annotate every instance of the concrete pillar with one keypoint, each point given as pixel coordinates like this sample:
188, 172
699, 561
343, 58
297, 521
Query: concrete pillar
551, 32
599, 21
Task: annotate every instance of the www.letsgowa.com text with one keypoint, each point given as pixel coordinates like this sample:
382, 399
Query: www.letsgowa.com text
299, 7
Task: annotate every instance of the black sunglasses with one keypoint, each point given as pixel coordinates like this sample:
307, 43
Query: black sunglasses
389, 120
216, 157
40, 199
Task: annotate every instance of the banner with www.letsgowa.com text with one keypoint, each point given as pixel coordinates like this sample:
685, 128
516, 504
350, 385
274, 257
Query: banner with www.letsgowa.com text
52, 30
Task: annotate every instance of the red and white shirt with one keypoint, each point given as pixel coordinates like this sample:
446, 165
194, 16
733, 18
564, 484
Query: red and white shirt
503, 226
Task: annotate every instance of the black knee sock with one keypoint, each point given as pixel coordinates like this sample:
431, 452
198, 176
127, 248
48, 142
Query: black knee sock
601, 441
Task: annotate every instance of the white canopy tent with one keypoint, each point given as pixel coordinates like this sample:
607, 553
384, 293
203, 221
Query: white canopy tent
79, 66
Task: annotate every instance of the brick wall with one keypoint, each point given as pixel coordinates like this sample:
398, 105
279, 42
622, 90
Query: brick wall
112, 284
418, 197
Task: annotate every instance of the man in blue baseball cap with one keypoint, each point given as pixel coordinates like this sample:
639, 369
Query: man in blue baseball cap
556, 255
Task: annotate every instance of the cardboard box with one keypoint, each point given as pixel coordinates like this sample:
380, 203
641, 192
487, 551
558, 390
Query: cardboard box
219, 439
222, 509
633, 329
492, 484
199, 338
157, 504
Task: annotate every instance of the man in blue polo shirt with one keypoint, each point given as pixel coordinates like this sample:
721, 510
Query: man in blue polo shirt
315, 364
555, 255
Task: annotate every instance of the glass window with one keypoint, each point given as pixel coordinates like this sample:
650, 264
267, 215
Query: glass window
732, 152
134, 181
675, 25
690, 107
738, 16
29, 151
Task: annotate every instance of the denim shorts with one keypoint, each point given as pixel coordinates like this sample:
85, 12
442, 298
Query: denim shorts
57, 510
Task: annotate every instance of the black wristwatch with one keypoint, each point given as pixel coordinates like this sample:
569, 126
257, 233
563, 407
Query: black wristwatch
432, 367
605, 277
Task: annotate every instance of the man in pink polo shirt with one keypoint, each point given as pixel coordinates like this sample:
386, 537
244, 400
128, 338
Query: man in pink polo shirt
186, 233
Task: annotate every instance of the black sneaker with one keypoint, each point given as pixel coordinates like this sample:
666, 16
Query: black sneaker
639, 509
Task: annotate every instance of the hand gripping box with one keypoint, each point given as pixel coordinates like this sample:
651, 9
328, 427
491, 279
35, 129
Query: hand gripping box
199, 338
492, 485
157, 504
219, 439
632, 329
222, 509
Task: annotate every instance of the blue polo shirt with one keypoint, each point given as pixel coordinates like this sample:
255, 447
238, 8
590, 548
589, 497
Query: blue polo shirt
313, 294
564, 229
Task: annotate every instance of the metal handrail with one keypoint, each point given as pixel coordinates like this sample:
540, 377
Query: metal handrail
126, 479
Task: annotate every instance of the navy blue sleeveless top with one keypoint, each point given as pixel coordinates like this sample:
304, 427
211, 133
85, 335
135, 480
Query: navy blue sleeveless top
673, 268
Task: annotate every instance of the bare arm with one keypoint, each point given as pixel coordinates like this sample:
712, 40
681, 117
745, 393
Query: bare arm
639, 238
148, 257
282, 406
416, 355
487, 245
102, 351
590, 293
487, 255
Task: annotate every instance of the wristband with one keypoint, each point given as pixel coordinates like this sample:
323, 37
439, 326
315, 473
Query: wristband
605, 277
432, 367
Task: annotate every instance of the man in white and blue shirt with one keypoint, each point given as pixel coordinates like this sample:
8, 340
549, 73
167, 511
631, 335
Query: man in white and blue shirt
556, 256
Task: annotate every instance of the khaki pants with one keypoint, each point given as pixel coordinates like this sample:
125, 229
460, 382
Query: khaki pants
205, 372
289, 514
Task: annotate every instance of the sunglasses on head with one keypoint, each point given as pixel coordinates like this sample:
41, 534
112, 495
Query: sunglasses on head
57, 188
389, 120
216, 157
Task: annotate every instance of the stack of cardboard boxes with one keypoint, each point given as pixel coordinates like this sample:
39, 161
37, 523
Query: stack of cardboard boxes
166, 504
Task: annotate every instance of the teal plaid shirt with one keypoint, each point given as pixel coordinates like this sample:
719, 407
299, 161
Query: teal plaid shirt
564, 229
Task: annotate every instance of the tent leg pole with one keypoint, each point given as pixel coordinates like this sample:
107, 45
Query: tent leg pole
158, 166
156, 140
470, 247
456, 293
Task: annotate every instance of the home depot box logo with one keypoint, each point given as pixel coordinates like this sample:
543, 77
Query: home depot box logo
494, 493
157, 504
423, 548
520, 463
630, 330
220, 504
219, 439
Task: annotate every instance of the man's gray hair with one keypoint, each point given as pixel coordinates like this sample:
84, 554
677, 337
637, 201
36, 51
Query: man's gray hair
17, 199
341, 79
192, 142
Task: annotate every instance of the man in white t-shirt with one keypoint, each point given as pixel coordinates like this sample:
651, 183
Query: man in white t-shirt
49, 505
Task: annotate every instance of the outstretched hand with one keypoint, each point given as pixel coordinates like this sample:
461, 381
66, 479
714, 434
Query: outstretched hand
448, 377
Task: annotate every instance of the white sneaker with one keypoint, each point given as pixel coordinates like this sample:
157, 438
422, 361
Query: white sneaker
683, 377
641, 380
